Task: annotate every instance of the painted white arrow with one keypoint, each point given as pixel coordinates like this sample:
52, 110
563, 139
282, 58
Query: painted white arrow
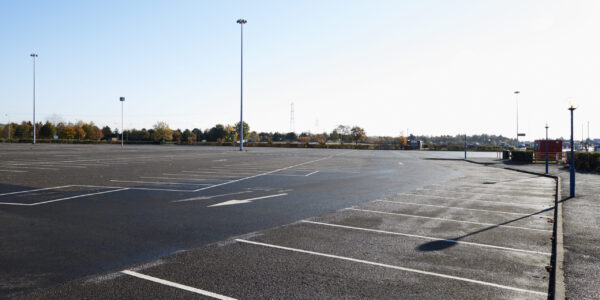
233, 202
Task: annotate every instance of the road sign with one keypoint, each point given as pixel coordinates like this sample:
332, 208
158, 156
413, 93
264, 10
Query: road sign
520, 134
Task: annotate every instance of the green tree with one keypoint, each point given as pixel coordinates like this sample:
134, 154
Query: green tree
162, 132
246, 129
216, 133
47, 131
107, 132
188, 136
358, 134
291, 137
344, 133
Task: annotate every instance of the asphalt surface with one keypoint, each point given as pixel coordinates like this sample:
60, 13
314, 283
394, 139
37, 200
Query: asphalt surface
192, 222
580, 230
73, 211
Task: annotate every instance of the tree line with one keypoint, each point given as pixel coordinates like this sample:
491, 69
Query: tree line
161, 132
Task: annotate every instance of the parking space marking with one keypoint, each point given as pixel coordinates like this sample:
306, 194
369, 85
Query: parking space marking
427, 237
200, 172
450, 220
13, 171
392, 267
479, 200
35, 190
543, 195
454, 207
63, 199
176, 285
157, 182
192, 179
549, 188
269, 172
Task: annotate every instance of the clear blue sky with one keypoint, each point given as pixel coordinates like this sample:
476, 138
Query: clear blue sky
430, 67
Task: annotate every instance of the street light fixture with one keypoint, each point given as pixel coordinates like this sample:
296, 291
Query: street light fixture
34, 56
517, 101
572, 162
9, 126
122, 99
241, 22
546, 147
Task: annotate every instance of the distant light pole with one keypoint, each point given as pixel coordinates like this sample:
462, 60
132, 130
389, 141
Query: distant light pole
241, 22
517, 101
546, 148
8, 119
122, 99
34, 56
572, 163
465, 146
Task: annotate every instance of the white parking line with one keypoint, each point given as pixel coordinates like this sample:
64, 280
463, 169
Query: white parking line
315, 172
269, 172
190, 179
450, 220
13, 171
176, 285
36, 190
427, 237
393, 267
62, 199
478, 200
536, 195
158, 182
454, 207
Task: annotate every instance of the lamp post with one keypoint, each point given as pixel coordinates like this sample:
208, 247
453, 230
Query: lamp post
517, 101
122, 99
572, 163
8, 120
465, 146
241, 22
33, 55
546, 148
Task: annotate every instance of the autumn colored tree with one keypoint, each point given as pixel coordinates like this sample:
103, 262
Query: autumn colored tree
304, 139
177, 135
66, 132
321, 139
162, 132
402, 141
79, 132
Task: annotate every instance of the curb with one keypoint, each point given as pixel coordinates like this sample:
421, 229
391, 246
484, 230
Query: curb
557, 277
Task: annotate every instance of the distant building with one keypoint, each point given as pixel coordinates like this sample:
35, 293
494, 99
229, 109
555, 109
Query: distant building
415, 145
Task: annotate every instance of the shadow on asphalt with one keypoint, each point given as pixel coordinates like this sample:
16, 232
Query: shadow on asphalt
444, 244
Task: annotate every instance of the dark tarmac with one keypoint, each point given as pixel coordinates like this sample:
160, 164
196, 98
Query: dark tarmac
83, 221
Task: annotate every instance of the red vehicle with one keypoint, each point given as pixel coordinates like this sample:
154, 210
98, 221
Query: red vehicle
554, 150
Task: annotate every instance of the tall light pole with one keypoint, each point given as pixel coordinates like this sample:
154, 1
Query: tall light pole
122, 99
572, 163
546, 148
241, 22
34, 57
517, 101
8, 120
465, 146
